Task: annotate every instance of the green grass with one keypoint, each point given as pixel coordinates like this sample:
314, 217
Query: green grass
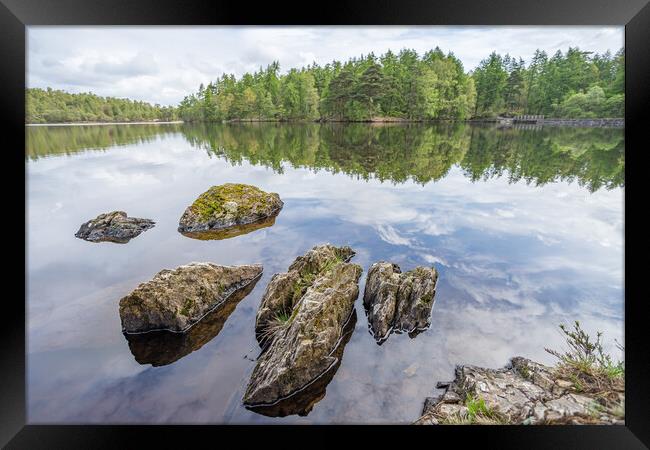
589, 368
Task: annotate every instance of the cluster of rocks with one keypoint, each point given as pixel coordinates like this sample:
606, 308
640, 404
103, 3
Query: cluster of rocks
524, 392
221, 212
306, 315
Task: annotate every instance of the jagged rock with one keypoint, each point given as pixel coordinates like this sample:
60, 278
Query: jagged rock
160, 348
303, 400
114, 226
300, 323
524, 392
226, 206
176, 299
396, 301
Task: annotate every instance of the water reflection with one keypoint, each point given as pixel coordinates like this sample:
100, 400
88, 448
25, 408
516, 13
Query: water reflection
230, 232
594, 157
515, 258
160, 348
303, 401
41, 141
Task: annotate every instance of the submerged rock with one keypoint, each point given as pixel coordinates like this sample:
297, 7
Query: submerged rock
174, 300
160, 348
525, 392
114, 226
396, 301
229, 205
301, 323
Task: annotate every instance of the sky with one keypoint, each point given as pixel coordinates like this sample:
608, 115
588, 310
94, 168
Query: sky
164, 64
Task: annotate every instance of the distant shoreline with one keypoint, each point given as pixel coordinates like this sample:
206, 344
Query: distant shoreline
78, 124
586, 123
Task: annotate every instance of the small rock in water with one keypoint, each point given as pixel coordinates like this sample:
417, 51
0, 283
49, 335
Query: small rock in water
114, 226
301, 323
397, 301
229, 205
176, 299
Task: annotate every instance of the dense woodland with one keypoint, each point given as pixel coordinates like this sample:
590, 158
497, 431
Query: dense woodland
413, 87
393, 86
54, 106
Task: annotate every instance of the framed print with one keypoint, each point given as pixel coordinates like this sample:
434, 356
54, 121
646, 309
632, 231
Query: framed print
380, 214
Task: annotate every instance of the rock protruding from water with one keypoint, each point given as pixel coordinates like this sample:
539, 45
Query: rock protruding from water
174, 300
160, 348
525, 392
226, 206
396, 301
301, 323
114, 226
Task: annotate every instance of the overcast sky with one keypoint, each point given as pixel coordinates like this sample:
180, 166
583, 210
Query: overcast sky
163, 64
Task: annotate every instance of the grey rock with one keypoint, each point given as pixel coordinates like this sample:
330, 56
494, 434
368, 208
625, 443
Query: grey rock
301, 323
113, 226
174, 300
396, 301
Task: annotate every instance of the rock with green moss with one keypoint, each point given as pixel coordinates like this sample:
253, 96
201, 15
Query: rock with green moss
301, 323
396, 301
174, 300
113, 226
229, 205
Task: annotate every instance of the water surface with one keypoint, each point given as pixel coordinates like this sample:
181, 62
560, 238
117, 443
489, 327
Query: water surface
524, 226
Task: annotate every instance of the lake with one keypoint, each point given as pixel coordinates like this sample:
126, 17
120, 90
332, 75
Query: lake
525, 227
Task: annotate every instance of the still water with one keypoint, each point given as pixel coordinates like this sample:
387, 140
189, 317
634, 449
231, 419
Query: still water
525, 227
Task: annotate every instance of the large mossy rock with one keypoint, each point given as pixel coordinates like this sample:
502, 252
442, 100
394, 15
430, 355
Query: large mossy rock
396, 301
174, 300
113, 226
229, 205
301, 323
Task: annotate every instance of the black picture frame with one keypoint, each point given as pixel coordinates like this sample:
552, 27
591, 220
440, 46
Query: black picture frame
16, 15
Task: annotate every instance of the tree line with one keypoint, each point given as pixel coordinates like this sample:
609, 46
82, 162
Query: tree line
407, 86
392, 86
56, 106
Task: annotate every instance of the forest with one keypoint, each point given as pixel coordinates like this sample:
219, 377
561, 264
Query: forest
407, 86
400, 86
55, 106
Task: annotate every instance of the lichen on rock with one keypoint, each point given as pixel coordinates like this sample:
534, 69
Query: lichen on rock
113, 226
396, 301
229, 205
300, 323
174, 300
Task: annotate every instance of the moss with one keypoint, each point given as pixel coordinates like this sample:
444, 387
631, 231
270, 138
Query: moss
426, 298
187, 307
211, 203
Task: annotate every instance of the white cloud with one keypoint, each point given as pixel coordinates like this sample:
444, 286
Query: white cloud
163, 64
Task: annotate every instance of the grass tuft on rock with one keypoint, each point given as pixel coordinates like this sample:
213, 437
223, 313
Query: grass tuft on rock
591, 371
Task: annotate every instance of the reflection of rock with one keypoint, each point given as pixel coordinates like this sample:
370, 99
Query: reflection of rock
228, 205
113, 227
226, 233
525, 392
160, 348
303, 401
176, 299
397, 301
300, 322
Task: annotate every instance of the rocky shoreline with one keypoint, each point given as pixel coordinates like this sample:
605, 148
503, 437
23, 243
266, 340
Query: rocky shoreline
522, 393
